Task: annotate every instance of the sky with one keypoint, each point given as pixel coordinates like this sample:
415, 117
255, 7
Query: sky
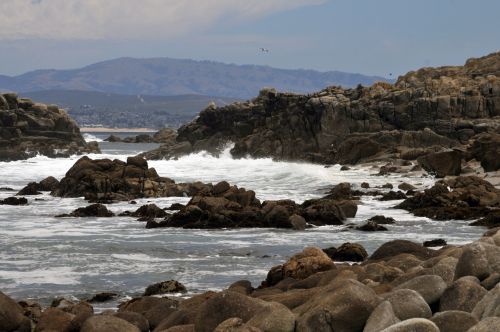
373, 37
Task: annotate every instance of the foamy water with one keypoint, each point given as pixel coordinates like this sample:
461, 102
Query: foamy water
42, 256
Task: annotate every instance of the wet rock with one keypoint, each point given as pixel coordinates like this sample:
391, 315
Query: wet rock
454, 321
103, 297
176, 206
48, 184
297, 222
11, 316
108, 324
492, 220
371, 226
30, 190
406, 186
170, 286
350, 252
392, 196
94, 210
365, 185
442, 164
149, 211
14, 201
434, 243
382, 220
464, 197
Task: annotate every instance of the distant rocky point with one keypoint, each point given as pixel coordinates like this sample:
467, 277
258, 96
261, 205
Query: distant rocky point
28, 129
429, 111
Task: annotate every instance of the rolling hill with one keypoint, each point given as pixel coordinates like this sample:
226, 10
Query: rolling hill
169, 77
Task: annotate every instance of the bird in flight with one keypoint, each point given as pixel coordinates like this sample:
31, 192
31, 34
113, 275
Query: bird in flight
264, 50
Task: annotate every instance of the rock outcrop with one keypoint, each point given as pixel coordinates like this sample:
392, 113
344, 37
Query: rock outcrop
28, 129
430, 110
108, 180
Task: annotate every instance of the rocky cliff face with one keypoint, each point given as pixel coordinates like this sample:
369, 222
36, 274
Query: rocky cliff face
428, 110
28, 129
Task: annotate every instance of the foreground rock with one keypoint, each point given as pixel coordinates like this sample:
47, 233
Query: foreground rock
110, 180
229, 206
428, 111
28, 129
402, 287
14, 201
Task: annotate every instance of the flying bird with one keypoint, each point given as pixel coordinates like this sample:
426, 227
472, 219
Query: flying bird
264, 50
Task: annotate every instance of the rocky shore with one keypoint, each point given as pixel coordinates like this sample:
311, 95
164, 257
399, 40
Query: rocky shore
28, 129
164, 135
438, 116
402, 286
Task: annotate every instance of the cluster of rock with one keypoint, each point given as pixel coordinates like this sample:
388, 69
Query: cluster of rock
116, 180
28, 129
402, 286
428, 111
226, 206
463, 197
164, 135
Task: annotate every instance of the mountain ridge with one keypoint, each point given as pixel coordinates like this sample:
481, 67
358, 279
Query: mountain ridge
165, 76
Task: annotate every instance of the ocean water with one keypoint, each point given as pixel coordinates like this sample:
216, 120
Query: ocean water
43, 257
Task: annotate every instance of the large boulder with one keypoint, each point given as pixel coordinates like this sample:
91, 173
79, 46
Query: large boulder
300, 266
343, 306
462, 295
170, 286
393, 248
454, 321
430, 287
107, 323
442, 163
94, 210
489, 324
408, 304
12, 318
486, 149
489, 305
382, 317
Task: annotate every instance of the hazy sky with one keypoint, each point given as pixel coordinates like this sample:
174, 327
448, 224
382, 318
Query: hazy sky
366, 36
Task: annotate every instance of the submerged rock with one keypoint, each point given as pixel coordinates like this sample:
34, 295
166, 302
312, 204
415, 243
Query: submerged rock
94, 210
14, 201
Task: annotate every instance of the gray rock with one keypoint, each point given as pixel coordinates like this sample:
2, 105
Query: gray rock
408, 304
108, 324
489, 324
431, 287
454, 321
462, 295
382, 317
413, 325
489, 306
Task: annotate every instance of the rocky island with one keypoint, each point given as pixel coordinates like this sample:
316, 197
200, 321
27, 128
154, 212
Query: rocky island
28, 129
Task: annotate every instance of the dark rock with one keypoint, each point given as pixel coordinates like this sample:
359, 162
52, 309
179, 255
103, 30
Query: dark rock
94, 210
393, 248
388, 186
149, 211
348, 252
392, 195
170, 286
28, 129
464, 197
113, 139
365, 185
382, 220
103, 297
492, 220
12, 317
176, 206
30, 189
14, 201
345, 168
406, 186
434, 243
48, 184
442, 164
486, 149
371, 226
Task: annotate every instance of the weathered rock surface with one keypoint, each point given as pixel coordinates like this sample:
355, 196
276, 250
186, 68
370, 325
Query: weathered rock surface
28, 129
105, 179
427, 111
454, 321
463, 197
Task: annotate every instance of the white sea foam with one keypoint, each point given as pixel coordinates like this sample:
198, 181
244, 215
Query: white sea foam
91, 138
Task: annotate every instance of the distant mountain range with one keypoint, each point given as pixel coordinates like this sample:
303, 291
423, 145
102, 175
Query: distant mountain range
169, 77
113, 110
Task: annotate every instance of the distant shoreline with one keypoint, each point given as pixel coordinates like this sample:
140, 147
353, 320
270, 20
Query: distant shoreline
115, 130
